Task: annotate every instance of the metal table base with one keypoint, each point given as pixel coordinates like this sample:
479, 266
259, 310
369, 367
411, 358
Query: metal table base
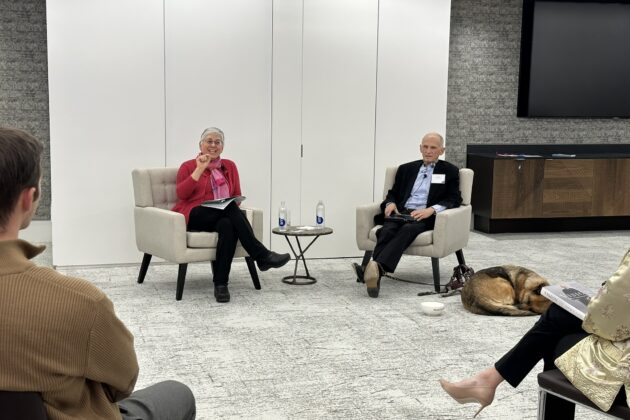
307, 279
297, 232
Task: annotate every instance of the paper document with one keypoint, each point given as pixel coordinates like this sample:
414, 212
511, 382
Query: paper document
222, 203
517, 155
572, 297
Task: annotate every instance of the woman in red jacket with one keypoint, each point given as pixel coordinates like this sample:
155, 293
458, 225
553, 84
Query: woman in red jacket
208, 177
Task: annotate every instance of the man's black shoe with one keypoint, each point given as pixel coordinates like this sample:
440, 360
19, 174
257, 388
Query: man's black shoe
221, 293
273, 260
358, 270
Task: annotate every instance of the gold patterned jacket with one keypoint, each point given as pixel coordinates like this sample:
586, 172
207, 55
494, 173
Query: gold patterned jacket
599, 365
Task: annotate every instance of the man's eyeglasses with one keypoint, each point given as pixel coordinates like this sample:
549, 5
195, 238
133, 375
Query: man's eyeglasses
213, 142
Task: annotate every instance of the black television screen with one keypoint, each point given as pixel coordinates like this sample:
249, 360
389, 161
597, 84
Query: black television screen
575, 59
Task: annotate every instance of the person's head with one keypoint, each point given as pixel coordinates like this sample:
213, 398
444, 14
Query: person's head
431, 147
211, 142
20, 173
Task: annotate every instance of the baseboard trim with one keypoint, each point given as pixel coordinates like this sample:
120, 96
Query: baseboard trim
559, 224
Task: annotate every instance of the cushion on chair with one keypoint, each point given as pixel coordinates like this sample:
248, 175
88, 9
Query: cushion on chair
425, 238
210, 239
202, 239
557, 383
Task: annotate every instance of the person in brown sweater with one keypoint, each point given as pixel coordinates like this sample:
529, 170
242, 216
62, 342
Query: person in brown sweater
60, 336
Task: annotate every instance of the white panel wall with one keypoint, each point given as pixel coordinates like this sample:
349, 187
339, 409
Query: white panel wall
286, 166
218, 73
413, 46
339, 94
133, 83
105, 67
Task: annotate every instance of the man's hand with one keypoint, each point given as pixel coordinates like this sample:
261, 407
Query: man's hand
390, 208
420, 214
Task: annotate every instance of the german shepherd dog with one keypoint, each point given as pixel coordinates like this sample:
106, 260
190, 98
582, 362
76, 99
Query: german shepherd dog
505, 290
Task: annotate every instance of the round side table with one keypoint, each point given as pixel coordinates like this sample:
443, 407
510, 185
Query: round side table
297, 232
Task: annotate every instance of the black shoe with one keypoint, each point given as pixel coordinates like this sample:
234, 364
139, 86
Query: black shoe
273, 260
358, 270
221, 293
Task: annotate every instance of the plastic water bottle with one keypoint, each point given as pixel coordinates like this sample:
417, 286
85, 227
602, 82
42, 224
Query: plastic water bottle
319, 214
282, 216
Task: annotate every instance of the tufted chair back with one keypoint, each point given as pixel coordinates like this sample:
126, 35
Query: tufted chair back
155, 187
162, 232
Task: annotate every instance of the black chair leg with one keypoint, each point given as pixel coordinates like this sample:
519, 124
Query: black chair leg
366, 258
253, 272
460, 257
181, 279
144, 267
435, 263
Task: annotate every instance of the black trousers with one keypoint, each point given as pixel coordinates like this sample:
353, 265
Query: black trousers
555, 332
232, 226
393, 238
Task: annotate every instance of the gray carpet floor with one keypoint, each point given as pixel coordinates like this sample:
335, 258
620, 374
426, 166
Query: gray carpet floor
327, 350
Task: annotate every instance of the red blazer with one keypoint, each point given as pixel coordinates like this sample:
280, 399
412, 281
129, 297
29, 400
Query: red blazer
191, 193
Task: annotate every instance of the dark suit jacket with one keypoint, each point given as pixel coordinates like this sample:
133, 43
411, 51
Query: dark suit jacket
447, 194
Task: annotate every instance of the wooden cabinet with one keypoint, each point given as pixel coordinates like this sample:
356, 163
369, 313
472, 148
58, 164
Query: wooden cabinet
611, 187
567, 189
517, 188
538, 194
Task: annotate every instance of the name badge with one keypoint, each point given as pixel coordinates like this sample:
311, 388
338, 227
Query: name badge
438, 179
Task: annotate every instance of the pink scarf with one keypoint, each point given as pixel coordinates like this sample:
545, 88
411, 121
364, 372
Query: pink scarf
220, 186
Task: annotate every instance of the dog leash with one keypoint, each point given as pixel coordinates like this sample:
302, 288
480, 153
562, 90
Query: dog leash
461, 274
444, 293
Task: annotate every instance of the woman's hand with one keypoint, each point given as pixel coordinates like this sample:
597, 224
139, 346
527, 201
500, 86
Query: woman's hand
202, 161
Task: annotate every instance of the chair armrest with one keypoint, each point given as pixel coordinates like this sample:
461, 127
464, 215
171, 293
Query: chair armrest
255, 217
160, 232
451, 231
365, 223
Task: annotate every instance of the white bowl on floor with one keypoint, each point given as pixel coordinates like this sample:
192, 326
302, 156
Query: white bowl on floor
432, 308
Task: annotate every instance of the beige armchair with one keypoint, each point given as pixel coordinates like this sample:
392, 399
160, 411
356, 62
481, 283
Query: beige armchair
450, 234
162, 232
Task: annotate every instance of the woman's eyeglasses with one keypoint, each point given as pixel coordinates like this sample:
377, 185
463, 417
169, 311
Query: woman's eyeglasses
213, 142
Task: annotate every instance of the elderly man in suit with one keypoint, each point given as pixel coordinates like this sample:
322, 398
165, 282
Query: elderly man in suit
422, 189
